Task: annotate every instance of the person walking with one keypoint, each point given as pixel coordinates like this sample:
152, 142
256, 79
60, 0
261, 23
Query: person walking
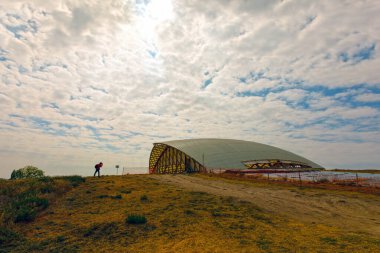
97, 168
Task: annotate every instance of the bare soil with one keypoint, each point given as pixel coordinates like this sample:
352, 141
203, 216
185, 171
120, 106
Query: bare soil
349, 211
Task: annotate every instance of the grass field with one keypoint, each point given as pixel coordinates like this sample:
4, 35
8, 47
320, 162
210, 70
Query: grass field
142, 213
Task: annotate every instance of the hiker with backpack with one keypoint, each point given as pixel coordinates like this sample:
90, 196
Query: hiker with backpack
97, 168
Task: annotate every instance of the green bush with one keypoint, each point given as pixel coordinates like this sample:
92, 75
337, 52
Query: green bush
27, 172
26, 207
117, 197
136, 219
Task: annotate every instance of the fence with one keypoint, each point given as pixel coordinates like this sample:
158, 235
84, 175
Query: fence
342, 178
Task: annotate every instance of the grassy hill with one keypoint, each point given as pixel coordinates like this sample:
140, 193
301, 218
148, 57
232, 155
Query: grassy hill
100, 215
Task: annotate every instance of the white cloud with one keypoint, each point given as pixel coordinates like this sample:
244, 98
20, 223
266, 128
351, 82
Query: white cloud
368, 97
102, 80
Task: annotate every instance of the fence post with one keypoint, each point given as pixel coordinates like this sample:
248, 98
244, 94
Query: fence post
299, 176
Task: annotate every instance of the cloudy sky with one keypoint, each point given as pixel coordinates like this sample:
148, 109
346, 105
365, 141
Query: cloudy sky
89, 81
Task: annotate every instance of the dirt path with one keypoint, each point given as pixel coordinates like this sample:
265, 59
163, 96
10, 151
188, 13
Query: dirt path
349, 211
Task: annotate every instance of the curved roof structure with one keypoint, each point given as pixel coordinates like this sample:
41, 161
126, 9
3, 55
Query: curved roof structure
171, 156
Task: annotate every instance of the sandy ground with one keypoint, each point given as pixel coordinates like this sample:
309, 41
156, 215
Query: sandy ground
354, 212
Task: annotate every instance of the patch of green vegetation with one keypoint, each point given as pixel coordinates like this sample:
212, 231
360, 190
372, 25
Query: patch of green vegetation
189, 212
217, 213
144, 198
23, 199
117, 197
136, 219
26, 207
9, 239
60, 238
74, 180
103, 196
195, 193
27, 172
328, 240
263, 243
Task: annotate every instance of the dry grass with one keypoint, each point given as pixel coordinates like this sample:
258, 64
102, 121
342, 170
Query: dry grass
92, 218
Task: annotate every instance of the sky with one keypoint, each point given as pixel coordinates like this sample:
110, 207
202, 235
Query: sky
89, 81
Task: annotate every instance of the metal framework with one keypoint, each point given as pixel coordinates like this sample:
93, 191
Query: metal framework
165, 159
275, 164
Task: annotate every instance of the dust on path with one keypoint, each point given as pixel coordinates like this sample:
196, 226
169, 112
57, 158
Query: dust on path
354, 212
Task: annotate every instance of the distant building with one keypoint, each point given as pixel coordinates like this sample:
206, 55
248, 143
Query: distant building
201, 155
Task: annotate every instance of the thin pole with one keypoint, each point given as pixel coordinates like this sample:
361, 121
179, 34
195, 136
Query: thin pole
299, 176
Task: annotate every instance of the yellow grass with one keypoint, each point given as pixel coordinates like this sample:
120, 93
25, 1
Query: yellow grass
91, 218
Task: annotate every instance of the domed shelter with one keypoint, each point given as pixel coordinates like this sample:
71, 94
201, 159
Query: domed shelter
201, 155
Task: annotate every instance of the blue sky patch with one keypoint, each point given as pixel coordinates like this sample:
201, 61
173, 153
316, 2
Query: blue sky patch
365, 53
22, 69
152, 53
16, 30
206, 83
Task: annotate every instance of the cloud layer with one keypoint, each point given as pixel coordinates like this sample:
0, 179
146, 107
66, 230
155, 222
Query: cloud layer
84, 81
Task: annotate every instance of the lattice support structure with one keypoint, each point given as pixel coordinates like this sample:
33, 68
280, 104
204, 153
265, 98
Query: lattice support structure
275, 164
165, 159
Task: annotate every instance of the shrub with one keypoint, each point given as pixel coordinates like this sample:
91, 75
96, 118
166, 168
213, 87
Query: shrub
117, 196
27, 172
22, 200
26, 207
136, 219
144, 198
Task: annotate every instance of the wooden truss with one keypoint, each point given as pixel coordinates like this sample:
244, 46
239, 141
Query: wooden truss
165, 159
275, 164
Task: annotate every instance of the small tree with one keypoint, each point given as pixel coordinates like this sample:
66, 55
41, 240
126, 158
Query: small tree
27, 172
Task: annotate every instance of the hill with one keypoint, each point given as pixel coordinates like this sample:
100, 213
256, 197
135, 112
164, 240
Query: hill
190, 214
